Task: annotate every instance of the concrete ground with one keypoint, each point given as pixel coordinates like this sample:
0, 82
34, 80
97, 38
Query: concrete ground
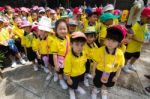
24, 83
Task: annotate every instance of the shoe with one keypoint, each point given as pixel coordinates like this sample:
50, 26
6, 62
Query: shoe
86, 82
35, 68
104, 94
55, 77
93, 96
147, 76
46, 69
14, 65
72, 94
89, 76
132, 68
63, 84
49, 76
126, 69
81, 90
22, 61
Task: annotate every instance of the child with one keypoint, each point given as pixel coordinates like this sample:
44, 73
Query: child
106, 20
108, 62
44, 44
88, 47
74, 67
72, 25
27, 40
60, 47
139, 30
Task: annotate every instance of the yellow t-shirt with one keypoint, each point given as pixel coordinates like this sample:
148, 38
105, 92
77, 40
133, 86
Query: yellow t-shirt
44, 46
4, 35
123, 48
103, 32
59, 46
73, 65
17, 32
35, 44
139, 32
108, 62
89, 50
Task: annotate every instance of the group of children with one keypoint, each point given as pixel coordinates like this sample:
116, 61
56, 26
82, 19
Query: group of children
74, 49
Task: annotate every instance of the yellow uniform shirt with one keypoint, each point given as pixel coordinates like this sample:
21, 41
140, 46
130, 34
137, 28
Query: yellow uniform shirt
17, 32
115, 21
44, 46
139, 32
73, 65
35, 44
123, 48
103, 32
59, 46
89, 50
108, 62
4, 35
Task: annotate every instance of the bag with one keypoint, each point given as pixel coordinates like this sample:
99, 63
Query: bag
105, 77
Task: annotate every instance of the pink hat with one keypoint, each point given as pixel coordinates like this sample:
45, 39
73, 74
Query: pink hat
117, 12
53, 11
25, 23
78, 34
34, 28
24, 9
35, 7
146, 12
2, 9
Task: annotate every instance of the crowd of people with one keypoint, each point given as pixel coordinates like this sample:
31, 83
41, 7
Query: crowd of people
75, 45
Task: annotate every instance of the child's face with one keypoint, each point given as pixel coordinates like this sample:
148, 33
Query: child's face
145, 20
34, 16
78, 47
62, 30
93, 18
91, 38
42, 34
111, 44
72, 28
109, 22
128, 38
18, 21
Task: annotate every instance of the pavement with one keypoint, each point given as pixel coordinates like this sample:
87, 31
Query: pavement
24, 83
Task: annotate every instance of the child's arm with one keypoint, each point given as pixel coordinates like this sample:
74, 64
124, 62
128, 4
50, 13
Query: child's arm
94, 68
140, 41
69, 80
55, 62
117, 75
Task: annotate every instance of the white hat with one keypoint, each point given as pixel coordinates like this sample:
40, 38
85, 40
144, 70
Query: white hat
108, 7
44, 24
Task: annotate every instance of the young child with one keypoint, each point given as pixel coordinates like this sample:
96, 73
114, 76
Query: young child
108, 62
27, 40
91, 35
60, 47
74, 65
44, 44
139, 30
72, 25
106, 20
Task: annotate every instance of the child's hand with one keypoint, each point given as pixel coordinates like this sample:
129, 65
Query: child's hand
115, 79
69, 81
57, 68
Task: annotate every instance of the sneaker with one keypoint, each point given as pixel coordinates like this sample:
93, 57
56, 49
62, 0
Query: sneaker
132, 68
89, 76
81, 90
86, 82
49, 76
35, 68
22, 61
14, 65
46, 70
126, 69
55, 77
72, 94
104, 94
63, 84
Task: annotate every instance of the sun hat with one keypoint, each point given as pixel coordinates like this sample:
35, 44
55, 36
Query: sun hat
78, 34
44, 24
107, 16
108, 7
72, 22
25, 23
90, 29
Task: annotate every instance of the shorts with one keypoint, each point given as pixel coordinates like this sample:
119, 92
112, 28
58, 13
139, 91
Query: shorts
97, 79
7, 51
51, 61
88, 66
76, 80
31, 54
130, 55
19, 46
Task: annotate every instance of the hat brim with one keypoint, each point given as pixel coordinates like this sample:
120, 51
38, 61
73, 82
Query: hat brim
113, 17
22, 26
43, 28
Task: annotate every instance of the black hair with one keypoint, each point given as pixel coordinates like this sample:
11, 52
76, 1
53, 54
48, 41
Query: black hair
79, 39
92, 33
93, 13
58, 22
